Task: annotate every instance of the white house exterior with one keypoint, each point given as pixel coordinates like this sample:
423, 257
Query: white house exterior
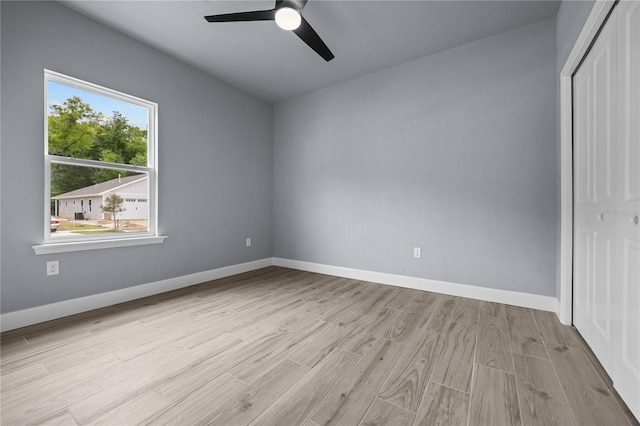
87, 200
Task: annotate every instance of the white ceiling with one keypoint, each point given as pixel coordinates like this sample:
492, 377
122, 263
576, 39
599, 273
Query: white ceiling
273, 64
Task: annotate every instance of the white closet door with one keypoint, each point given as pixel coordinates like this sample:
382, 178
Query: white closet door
595, 174
627, 374
606, 151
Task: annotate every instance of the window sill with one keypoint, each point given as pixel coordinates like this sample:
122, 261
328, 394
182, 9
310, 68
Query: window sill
95, 245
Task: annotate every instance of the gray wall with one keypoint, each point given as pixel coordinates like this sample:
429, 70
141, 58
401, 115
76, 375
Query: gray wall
215, 159
454, 152
571, 17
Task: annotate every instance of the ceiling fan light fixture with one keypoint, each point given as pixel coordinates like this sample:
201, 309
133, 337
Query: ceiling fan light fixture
288, 15
288, 18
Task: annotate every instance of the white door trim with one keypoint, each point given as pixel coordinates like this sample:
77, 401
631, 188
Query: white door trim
598, 15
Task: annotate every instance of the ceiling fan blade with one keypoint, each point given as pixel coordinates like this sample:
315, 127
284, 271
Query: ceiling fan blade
257, 15
313, 40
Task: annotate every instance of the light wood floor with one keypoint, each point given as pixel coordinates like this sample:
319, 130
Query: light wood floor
284, 347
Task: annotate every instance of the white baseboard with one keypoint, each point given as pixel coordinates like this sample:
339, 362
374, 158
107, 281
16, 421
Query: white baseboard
25, 317
534, 301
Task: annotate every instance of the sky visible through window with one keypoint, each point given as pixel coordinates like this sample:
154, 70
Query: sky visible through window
136, 116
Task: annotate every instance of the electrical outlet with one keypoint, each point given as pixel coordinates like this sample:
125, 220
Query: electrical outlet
53, 267
417, 252
248, 242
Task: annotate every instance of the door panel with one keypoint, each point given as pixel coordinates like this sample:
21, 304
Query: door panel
602, 288
630, 311
629, 34
594, 138
603, 117
582, 129
582, 250
607, 200
626, 376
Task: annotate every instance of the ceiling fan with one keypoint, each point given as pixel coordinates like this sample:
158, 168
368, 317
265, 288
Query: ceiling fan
288, 16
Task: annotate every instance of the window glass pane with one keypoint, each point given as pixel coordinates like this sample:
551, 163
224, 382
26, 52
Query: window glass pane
93, 200
90, 126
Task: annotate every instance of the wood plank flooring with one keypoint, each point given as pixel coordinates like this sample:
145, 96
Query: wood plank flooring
284, 347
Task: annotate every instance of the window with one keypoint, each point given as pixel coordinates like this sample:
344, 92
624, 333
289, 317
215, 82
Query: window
100, 144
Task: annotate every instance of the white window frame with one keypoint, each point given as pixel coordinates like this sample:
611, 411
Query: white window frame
100, 241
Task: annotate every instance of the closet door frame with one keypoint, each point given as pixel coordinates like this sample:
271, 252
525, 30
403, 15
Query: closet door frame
598, 15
